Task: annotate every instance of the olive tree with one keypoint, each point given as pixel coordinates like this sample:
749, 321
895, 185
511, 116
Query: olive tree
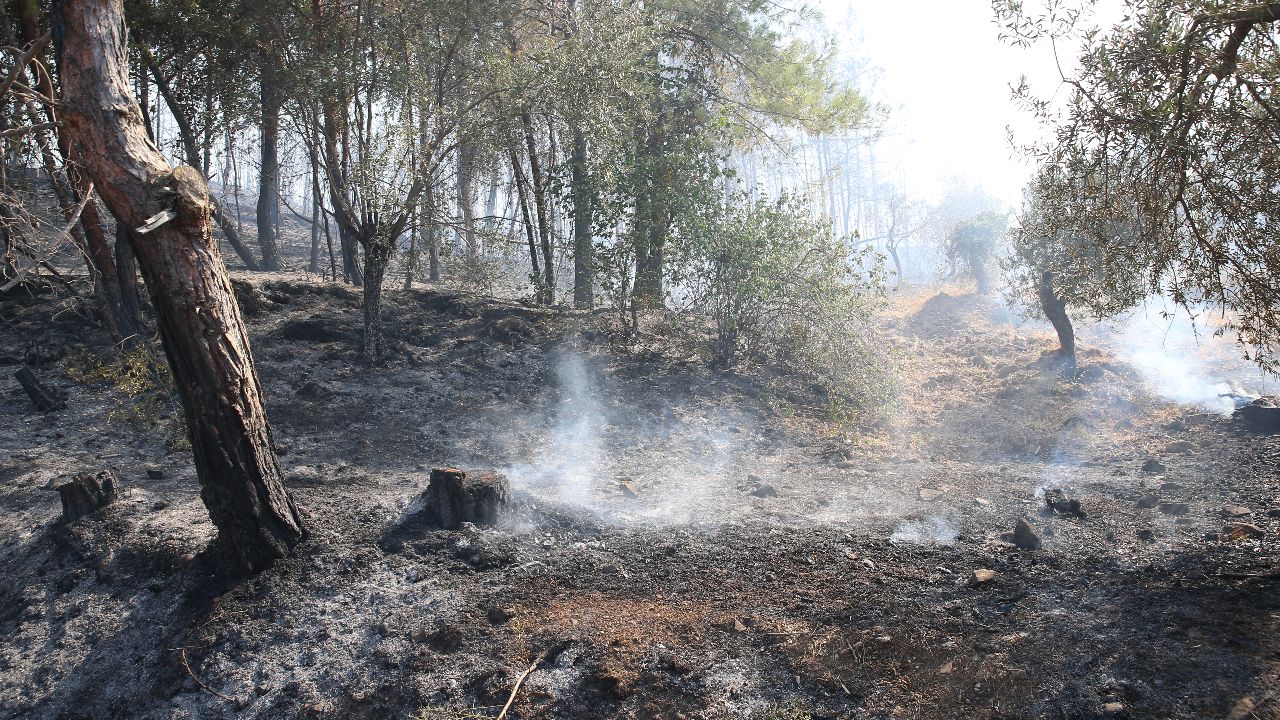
1172, 122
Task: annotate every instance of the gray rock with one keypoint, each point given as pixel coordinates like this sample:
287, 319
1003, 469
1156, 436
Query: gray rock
1025, 536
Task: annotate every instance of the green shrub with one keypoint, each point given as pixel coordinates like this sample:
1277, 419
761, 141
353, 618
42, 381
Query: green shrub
779, 288
140, 386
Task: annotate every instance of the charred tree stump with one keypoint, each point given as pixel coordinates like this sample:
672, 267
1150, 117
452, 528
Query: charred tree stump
453, 498
41, 397
86, 493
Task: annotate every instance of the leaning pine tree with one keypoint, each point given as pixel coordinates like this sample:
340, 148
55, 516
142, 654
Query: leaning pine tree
200, 324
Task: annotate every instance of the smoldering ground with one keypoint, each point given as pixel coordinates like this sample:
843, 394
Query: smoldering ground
849, 590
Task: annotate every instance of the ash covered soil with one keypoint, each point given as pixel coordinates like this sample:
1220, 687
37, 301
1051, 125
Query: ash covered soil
682, 542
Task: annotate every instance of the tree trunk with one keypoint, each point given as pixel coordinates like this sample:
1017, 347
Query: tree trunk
433, 237
540, 203
269, 171
376, 257
192, 152
583, 266
72, 186
467, 195
200, 325
1055, 308
518, 170
313, 266
127, 274
411, 258
336, 175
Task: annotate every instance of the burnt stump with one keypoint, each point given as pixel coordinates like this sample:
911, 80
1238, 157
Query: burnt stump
86, 493
454, 497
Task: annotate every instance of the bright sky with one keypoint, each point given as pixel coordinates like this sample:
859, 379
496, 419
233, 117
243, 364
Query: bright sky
945, 76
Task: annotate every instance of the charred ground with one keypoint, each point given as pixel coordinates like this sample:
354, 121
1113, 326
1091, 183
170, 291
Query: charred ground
724, 552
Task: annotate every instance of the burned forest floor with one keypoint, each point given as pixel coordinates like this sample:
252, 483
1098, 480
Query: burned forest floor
681, 542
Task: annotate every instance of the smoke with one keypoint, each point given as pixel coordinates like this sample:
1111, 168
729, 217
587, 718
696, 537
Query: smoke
568, 465
1187, 363
934, 530
647, 461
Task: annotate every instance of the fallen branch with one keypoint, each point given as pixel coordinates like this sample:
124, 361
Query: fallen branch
520, 681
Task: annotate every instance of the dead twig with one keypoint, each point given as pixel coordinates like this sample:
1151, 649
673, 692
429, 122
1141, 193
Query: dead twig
519, 681
182, 654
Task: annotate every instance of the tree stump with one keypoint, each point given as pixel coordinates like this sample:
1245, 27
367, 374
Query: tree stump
86, 493
41, 397
453, 497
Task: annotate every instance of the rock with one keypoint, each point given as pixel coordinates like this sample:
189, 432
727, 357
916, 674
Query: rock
929, 494
1242, 531
1171, 487
1180, 446
1146, 534
1235, 511
86, 493
155, 473
454, 497
1113, 708
628, 489
983, 575
1174, 508
1153, 465
1148, 501
948, 668
1261, 415
982, 502
764, 490
1025, 536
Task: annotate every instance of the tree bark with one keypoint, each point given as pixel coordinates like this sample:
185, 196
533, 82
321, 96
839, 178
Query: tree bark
200, 325
433, 235
583, 265
269, 169
376, 257
467, 195
518, 171
1055, 308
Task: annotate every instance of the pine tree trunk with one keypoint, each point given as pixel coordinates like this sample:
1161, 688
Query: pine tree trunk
583, 266
467, 196
433, 236
538, 187
200, 325
269, 172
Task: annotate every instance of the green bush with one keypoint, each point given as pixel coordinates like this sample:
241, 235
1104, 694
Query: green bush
778, 287
140, 386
